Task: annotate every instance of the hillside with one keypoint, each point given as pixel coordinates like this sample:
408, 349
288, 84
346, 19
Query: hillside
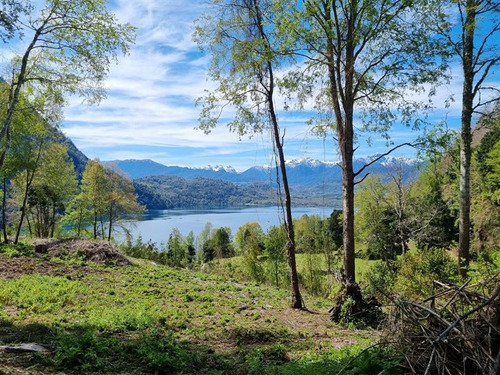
146, 319
168, 192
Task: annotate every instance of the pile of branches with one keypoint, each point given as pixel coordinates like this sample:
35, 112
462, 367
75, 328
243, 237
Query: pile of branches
455, 331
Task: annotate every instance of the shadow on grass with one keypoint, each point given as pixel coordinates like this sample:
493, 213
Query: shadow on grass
86, 349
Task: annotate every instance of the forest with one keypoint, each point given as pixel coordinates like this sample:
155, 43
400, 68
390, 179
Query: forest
403, 279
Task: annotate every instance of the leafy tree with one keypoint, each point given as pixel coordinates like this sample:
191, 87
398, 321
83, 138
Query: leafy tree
96, 189
275, 246
221, 242
78, 215
190, 248
245, 53
122, 200
9, 17
176, 253
370, 55
376, 220
202, 242
53, 188
70, 46
249, 239
476, 46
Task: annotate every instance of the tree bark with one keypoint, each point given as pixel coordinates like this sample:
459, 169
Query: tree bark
95, 224
466, 140
110, 222
343, 106
14, 98
296, 297
4, 206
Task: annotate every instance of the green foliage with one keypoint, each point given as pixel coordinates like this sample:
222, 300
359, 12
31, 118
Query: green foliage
54, 186
109, 197
16, 250
176, 252
142, 250
420, 267
167, 192
275, 242
156, 319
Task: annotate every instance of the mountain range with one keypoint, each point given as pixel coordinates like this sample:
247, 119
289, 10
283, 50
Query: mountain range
301, 173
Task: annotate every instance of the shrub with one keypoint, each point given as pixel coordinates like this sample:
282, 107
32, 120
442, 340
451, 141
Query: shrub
418, 269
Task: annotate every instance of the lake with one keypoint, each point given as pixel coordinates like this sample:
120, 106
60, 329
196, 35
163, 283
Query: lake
156, 225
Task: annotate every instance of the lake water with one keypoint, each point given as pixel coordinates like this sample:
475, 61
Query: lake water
156, 225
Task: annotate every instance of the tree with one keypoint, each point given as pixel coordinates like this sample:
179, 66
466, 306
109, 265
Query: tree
249, 239
78, 215
190, 248
245, 52
275, 245
369, 55
9, 17
477, 47
96, 189
70, 46
54, 186
176, 253
221, 243
122, 200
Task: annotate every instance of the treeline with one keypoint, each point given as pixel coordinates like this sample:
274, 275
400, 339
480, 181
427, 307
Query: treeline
66, 50
167, 192
170, 192
261, 256
42, 194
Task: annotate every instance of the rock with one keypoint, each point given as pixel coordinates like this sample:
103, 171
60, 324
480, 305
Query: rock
41, 248
30, 347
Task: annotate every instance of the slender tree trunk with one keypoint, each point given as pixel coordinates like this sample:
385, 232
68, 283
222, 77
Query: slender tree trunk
23, 207
4, 207
296, 297
14, 95
110, 222
101, 220
466, 140
53, 221
95, 224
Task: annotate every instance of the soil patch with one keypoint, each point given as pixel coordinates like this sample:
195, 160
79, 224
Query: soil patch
11, 268
100, 252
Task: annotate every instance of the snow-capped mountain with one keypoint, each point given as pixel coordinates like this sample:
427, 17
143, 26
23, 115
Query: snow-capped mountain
301, 172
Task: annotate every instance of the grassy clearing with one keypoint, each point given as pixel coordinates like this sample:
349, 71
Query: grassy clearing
312, 269
154, 319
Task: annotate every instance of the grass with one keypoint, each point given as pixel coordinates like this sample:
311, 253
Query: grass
154, 319
235, 268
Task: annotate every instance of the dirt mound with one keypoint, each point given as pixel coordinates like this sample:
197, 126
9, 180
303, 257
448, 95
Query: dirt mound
96, 251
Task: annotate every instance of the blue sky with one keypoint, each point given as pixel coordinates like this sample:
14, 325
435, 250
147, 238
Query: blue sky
150, 112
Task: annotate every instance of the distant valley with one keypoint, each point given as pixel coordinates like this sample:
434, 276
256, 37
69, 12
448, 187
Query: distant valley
313, 182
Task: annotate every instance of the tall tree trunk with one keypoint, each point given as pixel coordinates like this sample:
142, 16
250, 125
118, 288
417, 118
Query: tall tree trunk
14, 95
296, 297
4, 207
343, 106
348, 206
466, 140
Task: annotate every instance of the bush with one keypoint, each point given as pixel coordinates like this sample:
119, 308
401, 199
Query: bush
17, 250
418, 269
